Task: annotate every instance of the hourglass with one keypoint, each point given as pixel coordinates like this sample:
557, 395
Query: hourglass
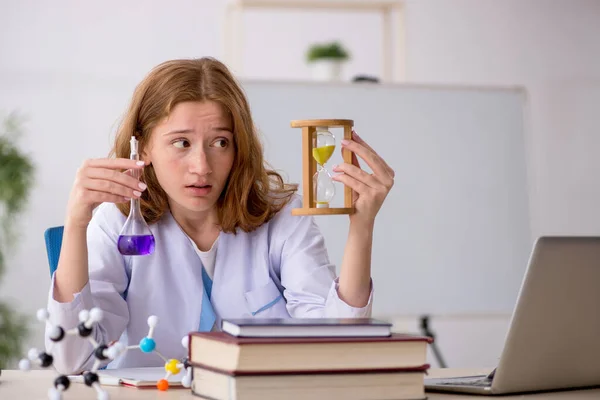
318, 144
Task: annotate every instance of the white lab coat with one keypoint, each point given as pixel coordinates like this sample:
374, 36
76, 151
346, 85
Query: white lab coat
286, 256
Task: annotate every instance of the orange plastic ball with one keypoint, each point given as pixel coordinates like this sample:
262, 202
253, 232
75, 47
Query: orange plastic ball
163, 384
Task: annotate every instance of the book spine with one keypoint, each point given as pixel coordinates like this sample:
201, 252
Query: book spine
417, 369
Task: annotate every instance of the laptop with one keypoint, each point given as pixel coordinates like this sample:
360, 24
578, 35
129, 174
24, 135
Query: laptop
553, 340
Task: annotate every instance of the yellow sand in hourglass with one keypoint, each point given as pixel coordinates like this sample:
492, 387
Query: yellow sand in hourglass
318, 145
323, 154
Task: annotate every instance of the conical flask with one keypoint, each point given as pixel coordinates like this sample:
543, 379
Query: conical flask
135, 238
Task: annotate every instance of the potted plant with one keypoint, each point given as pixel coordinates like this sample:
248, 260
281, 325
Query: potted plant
326, 60
16, 179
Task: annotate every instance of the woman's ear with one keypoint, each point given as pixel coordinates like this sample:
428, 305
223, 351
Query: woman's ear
145, 155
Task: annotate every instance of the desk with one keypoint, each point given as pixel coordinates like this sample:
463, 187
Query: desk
33, 385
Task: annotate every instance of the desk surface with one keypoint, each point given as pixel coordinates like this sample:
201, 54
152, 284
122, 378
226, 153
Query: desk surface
34, 385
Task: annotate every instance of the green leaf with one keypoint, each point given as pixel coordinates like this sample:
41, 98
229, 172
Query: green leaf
13, 332
16, 180
333, 51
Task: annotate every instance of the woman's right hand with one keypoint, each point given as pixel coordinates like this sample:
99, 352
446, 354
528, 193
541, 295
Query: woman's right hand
102, 180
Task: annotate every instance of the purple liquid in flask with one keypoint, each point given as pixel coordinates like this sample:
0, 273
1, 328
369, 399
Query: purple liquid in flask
136, 245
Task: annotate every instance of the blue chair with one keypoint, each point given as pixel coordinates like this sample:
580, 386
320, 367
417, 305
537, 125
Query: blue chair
53, 237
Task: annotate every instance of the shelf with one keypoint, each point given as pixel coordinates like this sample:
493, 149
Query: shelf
233, 35
327, 4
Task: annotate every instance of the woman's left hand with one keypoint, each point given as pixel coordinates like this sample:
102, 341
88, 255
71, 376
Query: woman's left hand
369, 190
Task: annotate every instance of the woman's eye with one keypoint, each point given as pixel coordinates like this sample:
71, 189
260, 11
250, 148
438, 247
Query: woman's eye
221, 143
181, 143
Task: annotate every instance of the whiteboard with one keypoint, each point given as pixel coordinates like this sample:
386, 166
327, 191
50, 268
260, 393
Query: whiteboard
452, 237
454, 233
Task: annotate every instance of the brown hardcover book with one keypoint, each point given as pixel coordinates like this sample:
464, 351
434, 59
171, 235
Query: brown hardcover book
399, 383
230, 353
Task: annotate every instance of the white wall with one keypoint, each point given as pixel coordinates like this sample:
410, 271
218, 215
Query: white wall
550, 47
553, 49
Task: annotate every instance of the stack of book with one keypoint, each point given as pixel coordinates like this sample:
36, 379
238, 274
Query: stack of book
292, 359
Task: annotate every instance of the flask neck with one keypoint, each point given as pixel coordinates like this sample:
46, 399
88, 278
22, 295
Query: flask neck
135, 208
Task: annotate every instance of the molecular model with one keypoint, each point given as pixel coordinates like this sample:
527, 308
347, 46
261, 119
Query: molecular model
102, 352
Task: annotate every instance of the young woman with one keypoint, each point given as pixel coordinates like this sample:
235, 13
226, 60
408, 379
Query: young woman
222, 223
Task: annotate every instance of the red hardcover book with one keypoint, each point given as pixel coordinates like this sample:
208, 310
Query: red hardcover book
225, 352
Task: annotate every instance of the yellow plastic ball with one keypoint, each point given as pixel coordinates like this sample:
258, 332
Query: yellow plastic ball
171, 367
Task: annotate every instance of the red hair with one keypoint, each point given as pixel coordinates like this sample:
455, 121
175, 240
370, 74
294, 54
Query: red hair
253, 193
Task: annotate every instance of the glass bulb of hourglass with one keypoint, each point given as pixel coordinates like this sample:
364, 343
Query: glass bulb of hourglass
135, 238
324, 188
323, 147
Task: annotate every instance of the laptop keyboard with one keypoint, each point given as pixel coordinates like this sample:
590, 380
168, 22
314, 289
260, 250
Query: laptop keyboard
483, 382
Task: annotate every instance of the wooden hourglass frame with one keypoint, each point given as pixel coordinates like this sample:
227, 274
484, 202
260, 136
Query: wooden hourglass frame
309, 165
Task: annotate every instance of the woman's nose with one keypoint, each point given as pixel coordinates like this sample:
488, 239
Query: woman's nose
199, 163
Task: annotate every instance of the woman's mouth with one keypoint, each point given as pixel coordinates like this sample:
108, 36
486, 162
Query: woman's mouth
198, 190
